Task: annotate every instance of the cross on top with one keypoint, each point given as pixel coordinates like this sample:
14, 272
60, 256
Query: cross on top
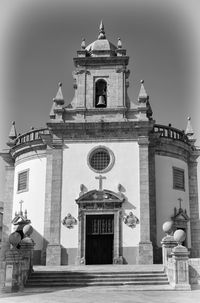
100, 178
180, 200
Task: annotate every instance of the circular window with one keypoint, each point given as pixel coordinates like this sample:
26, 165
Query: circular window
100, 159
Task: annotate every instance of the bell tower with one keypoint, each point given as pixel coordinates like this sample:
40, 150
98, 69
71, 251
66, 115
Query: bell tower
100, 81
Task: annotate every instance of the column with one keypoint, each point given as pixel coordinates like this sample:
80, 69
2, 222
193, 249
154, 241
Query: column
145, 254
53, 196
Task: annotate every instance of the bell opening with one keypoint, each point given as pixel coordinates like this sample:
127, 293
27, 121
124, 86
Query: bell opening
101, 94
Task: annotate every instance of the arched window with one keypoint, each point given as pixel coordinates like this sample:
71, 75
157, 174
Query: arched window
101, 94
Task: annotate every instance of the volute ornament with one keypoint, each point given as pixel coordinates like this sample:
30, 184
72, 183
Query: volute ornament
131, 220
69, 221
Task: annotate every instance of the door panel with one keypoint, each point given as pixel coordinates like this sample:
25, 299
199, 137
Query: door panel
99, 239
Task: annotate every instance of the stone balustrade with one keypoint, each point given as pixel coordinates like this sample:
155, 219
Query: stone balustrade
32, 135
170, 132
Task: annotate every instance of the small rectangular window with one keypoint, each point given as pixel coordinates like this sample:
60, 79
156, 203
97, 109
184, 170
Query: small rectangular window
23, 181
178, 178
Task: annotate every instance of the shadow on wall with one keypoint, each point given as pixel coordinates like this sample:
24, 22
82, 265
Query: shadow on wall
127, 205
39, 253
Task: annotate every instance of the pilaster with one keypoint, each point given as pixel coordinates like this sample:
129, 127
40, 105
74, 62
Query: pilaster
194, 207
145, 255
152, 203
53, 206
8, 207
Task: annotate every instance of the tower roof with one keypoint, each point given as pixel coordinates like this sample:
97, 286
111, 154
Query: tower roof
101, 45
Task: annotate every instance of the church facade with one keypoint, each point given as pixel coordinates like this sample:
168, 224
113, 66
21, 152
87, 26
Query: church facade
101, 179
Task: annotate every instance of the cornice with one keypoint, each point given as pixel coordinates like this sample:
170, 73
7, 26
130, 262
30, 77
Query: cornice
103, 130
95, 61
171, 148
7, 157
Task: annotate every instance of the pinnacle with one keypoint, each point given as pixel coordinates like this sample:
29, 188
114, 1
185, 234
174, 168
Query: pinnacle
13, 133
101, 31
189, 130
59, 95
142, 94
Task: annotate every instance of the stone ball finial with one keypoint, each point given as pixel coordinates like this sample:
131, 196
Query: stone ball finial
15, 238
27, 230
168, 227
179, 236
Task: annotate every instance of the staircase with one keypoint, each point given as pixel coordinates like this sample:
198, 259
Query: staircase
105, 275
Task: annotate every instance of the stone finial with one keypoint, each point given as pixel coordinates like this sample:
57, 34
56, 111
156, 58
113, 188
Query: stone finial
145, 110
101, 31
168, 227
58, 102
179, 236
52, 114
13, 133
59, 96
83, 43
189, 130
119, 43
142, 97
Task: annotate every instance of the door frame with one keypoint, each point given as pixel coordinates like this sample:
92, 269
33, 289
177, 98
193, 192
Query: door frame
100, 202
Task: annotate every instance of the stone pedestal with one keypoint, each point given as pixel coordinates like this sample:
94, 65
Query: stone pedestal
53, 255
13, 280
168, 243
145, 253
18, 266
178, 269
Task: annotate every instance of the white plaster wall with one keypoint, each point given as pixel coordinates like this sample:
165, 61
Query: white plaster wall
76, 172
34, 198
166, 196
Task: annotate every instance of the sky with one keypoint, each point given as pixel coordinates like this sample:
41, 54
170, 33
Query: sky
39, 40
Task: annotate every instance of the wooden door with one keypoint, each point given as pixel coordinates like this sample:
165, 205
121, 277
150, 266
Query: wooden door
99, 239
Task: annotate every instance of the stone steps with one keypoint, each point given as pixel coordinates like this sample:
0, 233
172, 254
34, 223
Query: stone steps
101, 277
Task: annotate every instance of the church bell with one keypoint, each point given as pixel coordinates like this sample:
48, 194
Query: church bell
101, 101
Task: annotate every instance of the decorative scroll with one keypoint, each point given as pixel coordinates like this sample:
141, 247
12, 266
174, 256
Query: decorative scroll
131, 220
69, 221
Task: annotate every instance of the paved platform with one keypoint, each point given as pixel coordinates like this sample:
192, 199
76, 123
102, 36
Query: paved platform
105, 294
101, 294
102, 268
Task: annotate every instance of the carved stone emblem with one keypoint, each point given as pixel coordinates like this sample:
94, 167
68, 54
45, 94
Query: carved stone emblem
131, 220
69, 221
